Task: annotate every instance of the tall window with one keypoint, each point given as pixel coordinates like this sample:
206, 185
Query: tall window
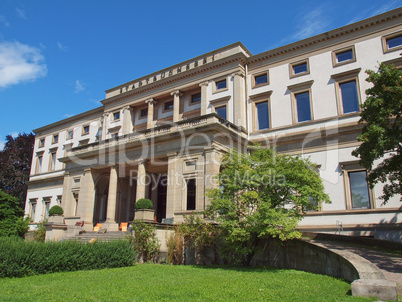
262, 112
359, 190
349, 96
191, 194
52, 161
70, 134
39, 164
221, 111
303, 106
55, 139
75, 204
32, 211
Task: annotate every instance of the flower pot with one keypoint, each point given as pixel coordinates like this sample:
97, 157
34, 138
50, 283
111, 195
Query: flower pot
144, 215
56, 219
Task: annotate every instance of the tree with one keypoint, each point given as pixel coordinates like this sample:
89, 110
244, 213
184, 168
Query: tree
381, 137
11, 220
15, 165
262, 195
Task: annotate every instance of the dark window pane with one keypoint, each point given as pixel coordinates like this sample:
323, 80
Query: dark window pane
221, 111
262, 115
344, 56
300, 68
350, 100
221, 85
169, 105
144, 112
195, 98
303, 107
190, 194
261, 79
359, 190
116, 115
394, 42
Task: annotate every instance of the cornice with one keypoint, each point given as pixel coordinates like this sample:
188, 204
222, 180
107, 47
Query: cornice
330, 35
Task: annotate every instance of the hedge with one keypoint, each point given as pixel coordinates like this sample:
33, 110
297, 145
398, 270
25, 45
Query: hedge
19, 258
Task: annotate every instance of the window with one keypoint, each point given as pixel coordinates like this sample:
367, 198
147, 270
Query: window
39, 163
55, 139
220, 85
52, 164
196, 98
262, 115
392, 42
221, 111
70, 134
343, 56
85, 130
46, 208
260, 80
59, 199
41, 142
32, 210
143, 112
347, 92
301, 102
303, 108
191, 194
359, 190
299, 68
116, 116
75, 204
168, 106
115, 135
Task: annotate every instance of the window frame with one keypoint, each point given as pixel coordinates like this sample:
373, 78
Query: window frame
384, 40
32, 209
299, 89
215, 86
292, 73
344, 77
187, 193
164, 109
118, 116
55, 139
85, 132
140, 110
335, 54
192, 98
42, 142
256, 99
68, 134
254, 76
219, 107
39, 163
52, 160
354, 167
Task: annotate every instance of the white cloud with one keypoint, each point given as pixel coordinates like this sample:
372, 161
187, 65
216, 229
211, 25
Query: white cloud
78, 86
67, 115
19, 63
14, 134
61, 47
21, 13
373, 11
4, 21
2, 143
310, 24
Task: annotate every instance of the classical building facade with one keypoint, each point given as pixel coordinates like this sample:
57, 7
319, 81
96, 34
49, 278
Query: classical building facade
162, 136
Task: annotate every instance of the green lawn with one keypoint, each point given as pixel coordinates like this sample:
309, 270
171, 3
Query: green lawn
151, 282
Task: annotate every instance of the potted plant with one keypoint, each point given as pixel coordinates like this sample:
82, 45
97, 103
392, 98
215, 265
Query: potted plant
144, 210
56, 215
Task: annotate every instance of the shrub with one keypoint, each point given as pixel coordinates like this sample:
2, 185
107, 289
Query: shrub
144, 204
56, 210
145, 241
40, 232
10, 212
175, 245
19, 258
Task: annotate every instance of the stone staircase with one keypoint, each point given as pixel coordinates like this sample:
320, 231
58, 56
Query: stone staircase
108, 236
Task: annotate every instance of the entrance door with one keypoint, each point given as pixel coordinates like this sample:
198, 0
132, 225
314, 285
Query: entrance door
161, 206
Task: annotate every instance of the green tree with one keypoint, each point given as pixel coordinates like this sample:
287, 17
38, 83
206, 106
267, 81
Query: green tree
380, 151
11, 216
15, 165
262, 195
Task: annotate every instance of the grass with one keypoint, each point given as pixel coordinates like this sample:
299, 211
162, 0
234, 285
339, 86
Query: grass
151, 282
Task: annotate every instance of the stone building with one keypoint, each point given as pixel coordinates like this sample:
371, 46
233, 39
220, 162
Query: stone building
162, 136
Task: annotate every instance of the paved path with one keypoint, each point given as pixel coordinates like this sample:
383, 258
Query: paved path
389, 264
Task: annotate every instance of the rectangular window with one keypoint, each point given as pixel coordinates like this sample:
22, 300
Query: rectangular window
41, 142
262, 112
343, 56
191, 194
260, 79
168, 106
349, 96
52, 161
116, 116
303, 108
221, 111
85, 130
299, 68
39, 164
55, 139
47, 207
75, 204
70, 134
33, 210
196, 98
392, 42
144, 113
59, 199
220, 85
359, 190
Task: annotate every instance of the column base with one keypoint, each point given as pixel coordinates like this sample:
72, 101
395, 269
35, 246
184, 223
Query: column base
111, 226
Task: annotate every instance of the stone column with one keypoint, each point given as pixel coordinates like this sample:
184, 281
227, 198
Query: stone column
176, 105
127, 120
111, 224
141, 181
104, 125
172, 180
204, 103
150, 118
87, 199
67, 195
239, 100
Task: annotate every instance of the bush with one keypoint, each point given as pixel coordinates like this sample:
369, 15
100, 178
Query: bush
175, 245
145, 241
40, 232
56, 210
144, 204
19, 258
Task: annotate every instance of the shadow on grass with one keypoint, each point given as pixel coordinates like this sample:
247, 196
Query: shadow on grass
254, 269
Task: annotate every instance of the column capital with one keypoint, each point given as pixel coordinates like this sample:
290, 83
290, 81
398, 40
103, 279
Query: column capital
204, 83
150, 101
239, 74
176, 93
105, 114
128, 107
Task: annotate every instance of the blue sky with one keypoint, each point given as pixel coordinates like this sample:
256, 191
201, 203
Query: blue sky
58, 57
